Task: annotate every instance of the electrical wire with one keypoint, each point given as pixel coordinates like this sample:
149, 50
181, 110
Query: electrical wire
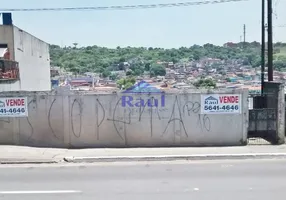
129, 7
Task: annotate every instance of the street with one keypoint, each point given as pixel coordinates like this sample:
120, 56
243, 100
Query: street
202, 180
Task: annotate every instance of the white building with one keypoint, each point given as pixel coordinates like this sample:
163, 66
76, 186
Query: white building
32, 55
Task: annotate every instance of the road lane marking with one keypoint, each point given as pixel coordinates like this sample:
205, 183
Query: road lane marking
41, 192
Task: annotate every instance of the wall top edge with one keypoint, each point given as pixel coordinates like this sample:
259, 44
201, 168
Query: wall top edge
19, 29
84, 93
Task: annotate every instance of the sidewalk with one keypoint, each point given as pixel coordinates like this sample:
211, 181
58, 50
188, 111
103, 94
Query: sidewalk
26, 155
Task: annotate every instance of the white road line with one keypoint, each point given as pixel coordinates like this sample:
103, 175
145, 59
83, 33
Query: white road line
41, 192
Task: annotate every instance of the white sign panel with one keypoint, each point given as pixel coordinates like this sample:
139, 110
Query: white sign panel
13, 107
221, 104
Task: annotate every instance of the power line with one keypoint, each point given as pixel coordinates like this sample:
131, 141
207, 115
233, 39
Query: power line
128, 7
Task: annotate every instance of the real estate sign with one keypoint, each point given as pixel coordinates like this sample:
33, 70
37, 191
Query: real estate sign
221, 104
13, 107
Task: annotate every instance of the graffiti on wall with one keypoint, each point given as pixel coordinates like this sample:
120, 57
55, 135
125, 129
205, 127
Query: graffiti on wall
172, 119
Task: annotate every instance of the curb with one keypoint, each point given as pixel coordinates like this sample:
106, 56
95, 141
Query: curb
36, 161
176, 157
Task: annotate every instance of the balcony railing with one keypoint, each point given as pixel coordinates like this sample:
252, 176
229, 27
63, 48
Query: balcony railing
9, 70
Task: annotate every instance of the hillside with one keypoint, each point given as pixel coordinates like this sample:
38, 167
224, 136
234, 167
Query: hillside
103, 60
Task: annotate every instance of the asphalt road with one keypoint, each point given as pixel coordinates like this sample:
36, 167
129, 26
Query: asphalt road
233, 180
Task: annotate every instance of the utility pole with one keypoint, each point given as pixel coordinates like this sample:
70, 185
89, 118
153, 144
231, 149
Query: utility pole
262, 45
244, 35
270, 41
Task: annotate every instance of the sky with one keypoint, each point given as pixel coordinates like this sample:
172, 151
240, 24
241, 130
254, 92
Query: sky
161, 27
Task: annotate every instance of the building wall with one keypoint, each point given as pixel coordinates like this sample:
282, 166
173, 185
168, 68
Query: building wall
34, 61
33, 57
80, 120
6, 37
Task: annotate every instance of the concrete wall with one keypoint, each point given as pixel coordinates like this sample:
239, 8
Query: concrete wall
33, 57
99, 120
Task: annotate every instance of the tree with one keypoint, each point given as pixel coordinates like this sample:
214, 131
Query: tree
106, 73
122, 60
205, 83
97, 59
113, 77
125, 83
137, 68
281, 58
121, 66
279, 65
157, 70
137, 72
129, 73
147, 66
